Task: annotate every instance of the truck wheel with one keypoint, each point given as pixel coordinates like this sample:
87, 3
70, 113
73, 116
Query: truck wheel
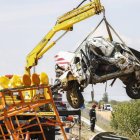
75, 98
133, 89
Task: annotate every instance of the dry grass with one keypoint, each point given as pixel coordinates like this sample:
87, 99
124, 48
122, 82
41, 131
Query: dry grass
105, 114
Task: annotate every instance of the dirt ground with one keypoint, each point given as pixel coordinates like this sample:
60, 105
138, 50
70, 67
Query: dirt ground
86, 134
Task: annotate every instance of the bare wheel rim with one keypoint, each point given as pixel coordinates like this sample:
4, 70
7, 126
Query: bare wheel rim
136, 88
73, 98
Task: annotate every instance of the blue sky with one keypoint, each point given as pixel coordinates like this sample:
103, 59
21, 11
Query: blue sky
23, 23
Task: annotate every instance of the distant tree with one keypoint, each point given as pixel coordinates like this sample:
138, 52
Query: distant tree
114, 102
101, 102
92, 102
105, 97
92, 95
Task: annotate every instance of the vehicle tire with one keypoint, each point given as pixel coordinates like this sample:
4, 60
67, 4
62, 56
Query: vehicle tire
133, 89
75, 97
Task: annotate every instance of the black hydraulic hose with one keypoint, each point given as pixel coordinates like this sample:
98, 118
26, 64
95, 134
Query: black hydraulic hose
80, 4
85, 57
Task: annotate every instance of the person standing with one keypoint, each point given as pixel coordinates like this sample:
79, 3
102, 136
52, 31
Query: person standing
92, 115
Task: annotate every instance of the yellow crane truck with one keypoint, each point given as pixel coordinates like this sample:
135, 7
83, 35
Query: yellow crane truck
22, 97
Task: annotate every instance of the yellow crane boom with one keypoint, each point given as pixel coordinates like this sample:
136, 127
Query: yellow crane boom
66, 23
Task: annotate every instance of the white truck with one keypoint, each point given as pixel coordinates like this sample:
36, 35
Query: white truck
107, 107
